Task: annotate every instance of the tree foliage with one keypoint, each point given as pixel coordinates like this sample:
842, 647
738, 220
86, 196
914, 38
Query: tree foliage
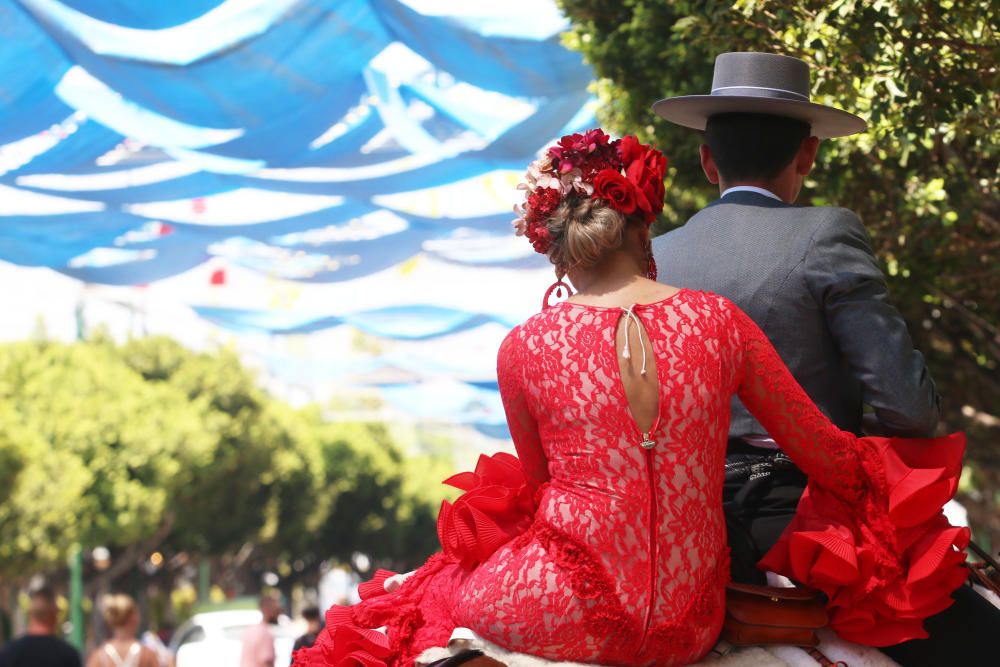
148, 446
924, 177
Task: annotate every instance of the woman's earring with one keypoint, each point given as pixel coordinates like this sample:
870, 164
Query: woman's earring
558, 287
651, 266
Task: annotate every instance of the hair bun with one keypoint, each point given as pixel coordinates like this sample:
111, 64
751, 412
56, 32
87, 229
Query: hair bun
118, 610
583, 231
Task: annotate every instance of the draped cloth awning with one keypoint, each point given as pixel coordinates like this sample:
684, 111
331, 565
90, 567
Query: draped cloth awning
310, 141
127, 104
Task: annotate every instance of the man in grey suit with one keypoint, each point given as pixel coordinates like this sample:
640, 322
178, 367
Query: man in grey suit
806, 275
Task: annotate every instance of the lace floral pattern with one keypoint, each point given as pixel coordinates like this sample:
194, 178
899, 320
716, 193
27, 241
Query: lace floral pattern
624, 560
576, 586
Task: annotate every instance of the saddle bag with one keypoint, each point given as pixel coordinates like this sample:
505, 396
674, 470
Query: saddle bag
767, 615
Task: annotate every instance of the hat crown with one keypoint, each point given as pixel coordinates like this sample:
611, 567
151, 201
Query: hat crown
761, 74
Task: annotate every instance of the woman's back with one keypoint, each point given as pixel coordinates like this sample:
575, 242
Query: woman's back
122, 653
633, 460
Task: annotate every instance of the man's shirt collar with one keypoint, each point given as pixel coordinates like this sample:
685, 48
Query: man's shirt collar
750, 188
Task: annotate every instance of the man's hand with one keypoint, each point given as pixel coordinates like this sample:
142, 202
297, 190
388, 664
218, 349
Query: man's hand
394, 582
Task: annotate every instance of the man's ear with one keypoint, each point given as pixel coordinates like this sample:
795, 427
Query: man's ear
708, 164
806, 156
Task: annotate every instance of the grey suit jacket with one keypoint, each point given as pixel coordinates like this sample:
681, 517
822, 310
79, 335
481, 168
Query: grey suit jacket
807, 276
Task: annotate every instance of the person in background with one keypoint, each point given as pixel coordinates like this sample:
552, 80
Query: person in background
258, 640
155, 643
40, 647
122, 649
315, 621
166, 632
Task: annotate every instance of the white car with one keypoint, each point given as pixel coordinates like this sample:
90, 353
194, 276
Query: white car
214, 639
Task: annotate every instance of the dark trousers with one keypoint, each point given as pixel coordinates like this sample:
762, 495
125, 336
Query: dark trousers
757, 509
964, 634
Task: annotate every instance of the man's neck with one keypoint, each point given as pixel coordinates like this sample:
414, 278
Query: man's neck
40, 630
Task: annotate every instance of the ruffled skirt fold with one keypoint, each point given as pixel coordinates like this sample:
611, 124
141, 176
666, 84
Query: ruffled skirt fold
887, 558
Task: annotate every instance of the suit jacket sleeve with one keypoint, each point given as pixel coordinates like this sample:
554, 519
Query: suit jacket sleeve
845, 279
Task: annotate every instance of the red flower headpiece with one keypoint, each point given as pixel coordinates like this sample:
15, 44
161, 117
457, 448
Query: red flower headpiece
627, 175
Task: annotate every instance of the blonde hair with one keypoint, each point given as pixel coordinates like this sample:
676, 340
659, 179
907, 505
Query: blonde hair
118, 610
582, 231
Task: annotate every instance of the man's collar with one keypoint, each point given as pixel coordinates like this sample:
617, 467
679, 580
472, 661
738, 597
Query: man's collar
749, 188
745, 195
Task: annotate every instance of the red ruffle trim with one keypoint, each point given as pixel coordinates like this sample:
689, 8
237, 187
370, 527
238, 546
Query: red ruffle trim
889, 559
348, 640
345, 645
496, 507
375, 586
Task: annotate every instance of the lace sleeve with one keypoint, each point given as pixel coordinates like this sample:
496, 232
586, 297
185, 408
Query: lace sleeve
520, 420
868, 531
767, 388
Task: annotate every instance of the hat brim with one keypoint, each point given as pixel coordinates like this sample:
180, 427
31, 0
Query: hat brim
694, 111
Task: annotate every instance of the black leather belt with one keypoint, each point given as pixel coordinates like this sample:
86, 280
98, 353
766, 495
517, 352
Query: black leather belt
746, 463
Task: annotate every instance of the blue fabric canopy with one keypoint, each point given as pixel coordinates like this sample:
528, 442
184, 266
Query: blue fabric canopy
244, 88
142, 13
476, 404
29, 102
366, 254
511, 150
370, 101
163, 264
298, 88
533, 67
451, 402
54, 240
413, 322
74, 153
216, 29
342, 370
364, 100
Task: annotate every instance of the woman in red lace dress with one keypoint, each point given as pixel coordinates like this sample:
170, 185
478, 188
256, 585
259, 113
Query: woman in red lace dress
606, 542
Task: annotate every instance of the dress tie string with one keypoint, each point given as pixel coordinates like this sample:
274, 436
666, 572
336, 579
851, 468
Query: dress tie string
626, 353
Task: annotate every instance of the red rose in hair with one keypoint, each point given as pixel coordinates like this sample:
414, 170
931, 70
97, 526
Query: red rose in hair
644, 168
629, 149
617, 190
591, 164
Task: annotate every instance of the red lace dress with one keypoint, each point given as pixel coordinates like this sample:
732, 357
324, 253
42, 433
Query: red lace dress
608, 545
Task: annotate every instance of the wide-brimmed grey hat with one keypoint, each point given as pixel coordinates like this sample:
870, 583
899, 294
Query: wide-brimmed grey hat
759, 83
